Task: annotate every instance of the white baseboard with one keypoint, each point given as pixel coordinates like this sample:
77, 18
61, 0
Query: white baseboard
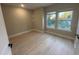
68, 37
37, 30
17, 34
41, 32
54, 34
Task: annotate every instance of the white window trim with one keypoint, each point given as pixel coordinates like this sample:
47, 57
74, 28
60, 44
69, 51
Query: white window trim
56, 26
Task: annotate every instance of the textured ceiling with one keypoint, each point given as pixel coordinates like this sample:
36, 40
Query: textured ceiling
30, 5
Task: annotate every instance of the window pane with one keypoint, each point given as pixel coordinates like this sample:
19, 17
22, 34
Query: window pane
51, 19
64, 20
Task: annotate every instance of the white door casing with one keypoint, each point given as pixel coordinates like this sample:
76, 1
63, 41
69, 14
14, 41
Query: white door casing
4, 49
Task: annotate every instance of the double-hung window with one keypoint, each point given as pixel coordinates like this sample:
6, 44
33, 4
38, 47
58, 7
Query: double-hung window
51, 17
61, 19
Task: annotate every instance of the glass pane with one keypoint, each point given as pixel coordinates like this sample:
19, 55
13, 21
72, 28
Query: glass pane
51, 20
64, 20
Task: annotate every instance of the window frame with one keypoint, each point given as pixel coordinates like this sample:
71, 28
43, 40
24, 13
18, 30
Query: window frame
56, 21
47, 20
71, 21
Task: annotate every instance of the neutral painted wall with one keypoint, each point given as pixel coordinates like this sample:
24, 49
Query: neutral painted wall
57, 7
38, 18
4, 49
17, 19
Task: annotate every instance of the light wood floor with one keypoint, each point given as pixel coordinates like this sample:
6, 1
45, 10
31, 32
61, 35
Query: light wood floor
36, 43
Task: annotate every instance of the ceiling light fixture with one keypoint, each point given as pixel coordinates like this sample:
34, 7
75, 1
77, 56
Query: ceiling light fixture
22, 5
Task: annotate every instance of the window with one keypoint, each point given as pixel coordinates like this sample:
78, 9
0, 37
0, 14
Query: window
63, 20
51, 17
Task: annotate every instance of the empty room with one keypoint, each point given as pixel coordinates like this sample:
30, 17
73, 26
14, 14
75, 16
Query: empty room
39, 28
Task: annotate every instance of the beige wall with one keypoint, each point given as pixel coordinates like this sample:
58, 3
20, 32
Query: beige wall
20, 20
17, 19
38, 17
57, 7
